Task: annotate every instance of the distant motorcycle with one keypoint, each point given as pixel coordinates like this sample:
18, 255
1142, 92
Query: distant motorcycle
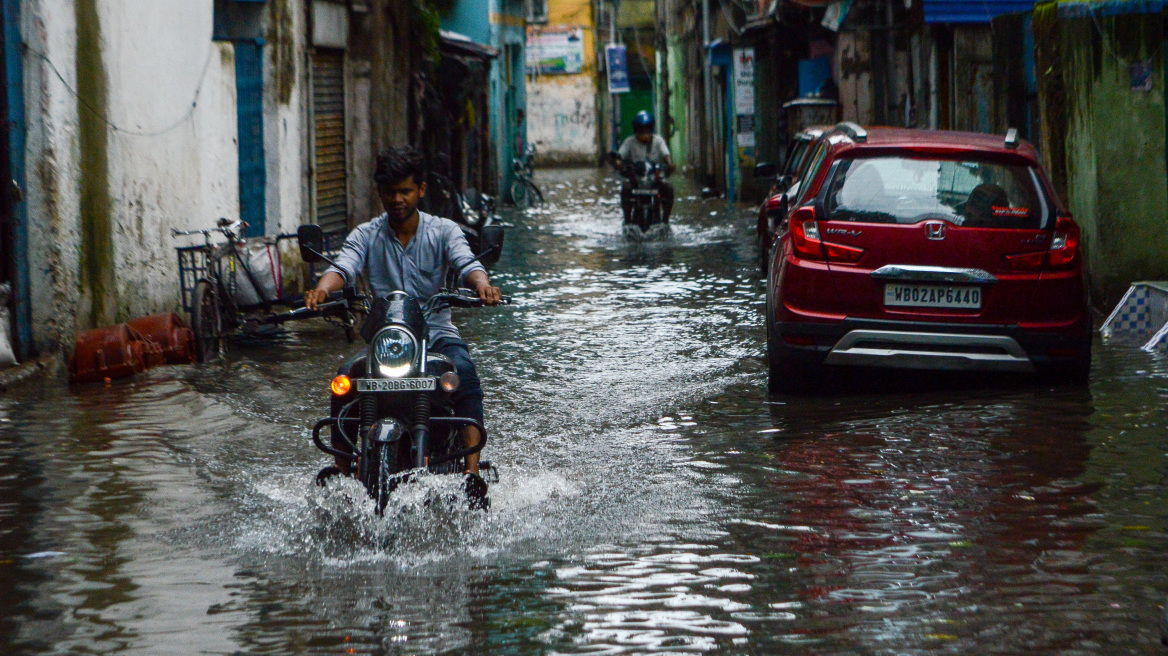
645, 218
391, 405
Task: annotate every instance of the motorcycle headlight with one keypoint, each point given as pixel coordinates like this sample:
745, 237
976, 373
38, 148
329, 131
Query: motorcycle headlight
394, 350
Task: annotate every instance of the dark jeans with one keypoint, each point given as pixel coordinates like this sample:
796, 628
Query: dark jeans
666, 199
468, 398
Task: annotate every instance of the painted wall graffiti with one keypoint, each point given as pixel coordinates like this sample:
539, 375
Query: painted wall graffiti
562, 119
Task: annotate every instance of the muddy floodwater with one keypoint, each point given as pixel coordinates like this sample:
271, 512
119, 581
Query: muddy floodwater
653, 498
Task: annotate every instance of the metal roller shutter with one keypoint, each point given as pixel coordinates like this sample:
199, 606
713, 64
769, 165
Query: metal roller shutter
328, 109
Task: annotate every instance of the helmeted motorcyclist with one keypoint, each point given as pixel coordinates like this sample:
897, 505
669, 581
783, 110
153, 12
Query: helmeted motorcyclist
407, 250
644, 146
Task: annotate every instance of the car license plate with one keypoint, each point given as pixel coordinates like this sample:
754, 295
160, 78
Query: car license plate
933, 296
645, 192
396, 384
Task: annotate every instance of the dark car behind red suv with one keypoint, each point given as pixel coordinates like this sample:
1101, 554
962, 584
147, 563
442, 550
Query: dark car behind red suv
926, 250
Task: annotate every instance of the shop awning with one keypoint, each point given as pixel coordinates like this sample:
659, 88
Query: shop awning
459, 44
972, 11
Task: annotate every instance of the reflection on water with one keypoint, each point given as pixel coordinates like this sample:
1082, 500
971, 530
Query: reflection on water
653, 498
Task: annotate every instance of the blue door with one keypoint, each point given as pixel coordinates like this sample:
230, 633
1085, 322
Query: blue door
249, 90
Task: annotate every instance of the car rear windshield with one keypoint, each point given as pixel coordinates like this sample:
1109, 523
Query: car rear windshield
910, 190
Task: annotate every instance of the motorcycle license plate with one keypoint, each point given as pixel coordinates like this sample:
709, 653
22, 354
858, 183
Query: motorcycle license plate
396, 384
645, 192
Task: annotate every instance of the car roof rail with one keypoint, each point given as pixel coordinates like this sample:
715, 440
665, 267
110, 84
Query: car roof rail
1012, 138
853, 130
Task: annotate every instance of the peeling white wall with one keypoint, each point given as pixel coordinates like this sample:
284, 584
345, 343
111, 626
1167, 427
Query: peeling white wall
173, 162
286, 131
561, 118
52, 183
172, 149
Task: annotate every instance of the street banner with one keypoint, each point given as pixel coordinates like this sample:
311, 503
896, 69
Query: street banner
617, 59
555, 50
744, 96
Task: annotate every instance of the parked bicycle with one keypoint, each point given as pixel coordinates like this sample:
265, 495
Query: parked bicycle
524, 192
236, 288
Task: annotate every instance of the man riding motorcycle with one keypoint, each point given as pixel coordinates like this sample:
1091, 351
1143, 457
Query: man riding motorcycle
645, 146
407, 250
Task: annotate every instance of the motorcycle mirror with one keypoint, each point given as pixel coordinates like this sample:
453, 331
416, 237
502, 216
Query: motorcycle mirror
765, 170
310, 238
490, 244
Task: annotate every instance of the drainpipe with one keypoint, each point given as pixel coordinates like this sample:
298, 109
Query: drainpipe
708, 154
933, 75
615, 96
891, 96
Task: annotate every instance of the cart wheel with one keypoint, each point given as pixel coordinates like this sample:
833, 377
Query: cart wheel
205, 321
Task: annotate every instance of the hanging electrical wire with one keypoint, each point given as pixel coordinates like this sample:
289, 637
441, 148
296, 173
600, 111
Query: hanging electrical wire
104, 119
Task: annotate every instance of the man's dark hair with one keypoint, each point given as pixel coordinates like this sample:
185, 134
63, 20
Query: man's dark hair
396, 163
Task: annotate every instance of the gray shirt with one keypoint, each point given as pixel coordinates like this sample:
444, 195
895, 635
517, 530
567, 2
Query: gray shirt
418, 269
633, 150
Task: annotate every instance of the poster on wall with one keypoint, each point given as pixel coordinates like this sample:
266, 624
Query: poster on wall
617, 60
555, 50
744, 97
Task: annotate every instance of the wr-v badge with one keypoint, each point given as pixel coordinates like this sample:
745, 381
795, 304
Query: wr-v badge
935, 231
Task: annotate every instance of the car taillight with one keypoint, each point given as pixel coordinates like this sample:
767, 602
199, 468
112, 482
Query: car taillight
1064, 246
808, 245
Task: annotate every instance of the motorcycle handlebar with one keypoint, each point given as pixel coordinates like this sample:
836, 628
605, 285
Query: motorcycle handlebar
464, 298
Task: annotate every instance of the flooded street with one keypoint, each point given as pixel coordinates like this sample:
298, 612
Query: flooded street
653, 498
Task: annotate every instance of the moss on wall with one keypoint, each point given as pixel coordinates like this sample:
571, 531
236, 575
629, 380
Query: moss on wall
283, 49
97, 258
1117, 180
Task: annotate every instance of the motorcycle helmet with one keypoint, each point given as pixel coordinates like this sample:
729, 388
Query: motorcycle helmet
643, 122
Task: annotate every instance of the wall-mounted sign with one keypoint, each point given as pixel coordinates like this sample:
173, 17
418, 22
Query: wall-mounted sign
744, 96
555, 50
616, 58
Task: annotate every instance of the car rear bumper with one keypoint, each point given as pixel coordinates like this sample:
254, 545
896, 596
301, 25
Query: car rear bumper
929, 346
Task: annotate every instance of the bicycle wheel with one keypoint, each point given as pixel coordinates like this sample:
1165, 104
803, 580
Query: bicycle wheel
520, 197
205, 320
534, 193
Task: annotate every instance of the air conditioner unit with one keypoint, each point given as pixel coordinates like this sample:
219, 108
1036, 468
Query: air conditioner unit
536, 11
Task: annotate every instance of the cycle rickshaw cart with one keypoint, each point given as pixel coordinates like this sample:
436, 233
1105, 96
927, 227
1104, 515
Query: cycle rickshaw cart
235, 288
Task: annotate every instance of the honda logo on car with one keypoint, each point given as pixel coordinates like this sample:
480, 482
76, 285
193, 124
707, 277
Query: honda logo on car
936, 230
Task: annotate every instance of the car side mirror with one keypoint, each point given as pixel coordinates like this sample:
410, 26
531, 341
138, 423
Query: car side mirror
310, 238
765, 170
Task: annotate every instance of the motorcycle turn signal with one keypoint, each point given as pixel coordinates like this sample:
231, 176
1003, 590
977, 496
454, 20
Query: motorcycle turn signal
341, 385
449, 382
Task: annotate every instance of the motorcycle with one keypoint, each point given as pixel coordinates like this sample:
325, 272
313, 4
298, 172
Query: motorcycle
392, 412
472, 211
645, 217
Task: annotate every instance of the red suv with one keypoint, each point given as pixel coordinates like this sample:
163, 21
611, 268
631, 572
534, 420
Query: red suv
921, 249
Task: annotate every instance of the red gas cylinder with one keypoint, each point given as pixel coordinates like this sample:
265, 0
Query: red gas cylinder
170, 333
110, 352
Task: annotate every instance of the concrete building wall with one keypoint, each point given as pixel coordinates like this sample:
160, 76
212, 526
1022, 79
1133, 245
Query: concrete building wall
286, 116
1117, 180
132, 133
853, 73
562, 108
561, 119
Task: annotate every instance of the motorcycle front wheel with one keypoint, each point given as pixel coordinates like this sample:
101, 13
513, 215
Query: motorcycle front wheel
206, 322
